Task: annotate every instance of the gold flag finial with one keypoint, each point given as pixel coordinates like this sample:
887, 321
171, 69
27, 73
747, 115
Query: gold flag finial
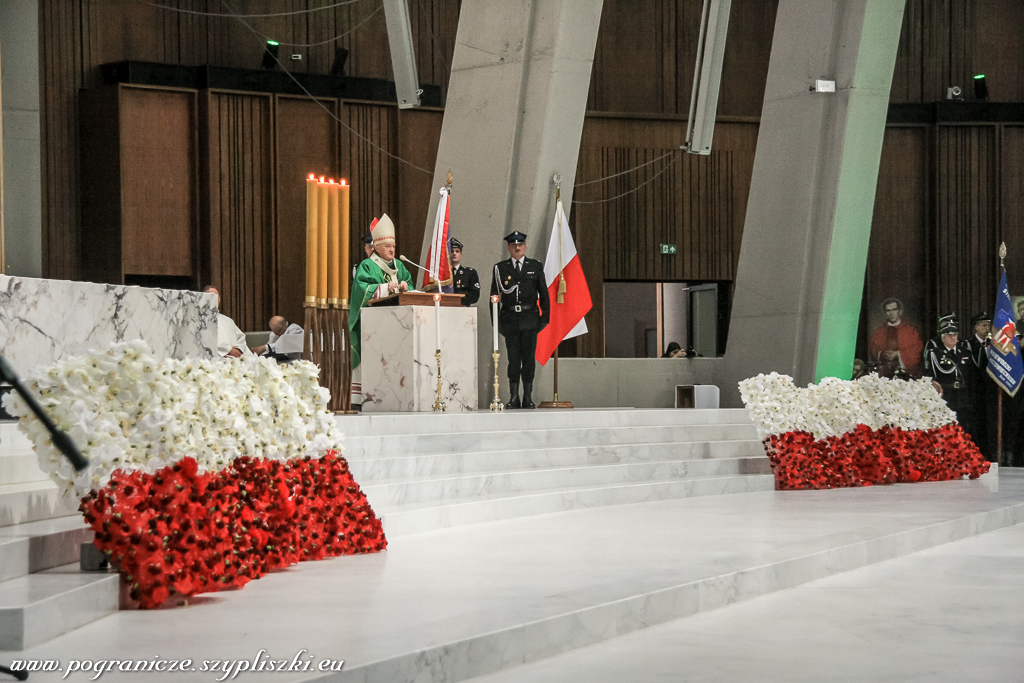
449, 181
1002, 250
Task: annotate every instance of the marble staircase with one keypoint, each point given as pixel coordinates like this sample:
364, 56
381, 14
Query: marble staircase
43, 593
424, 472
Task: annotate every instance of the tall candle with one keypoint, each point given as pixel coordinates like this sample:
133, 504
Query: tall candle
333, 251
344, 205
321, 234
312, 204
437, 320
494, 319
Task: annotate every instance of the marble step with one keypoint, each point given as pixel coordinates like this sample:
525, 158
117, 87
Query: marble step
41, 606
370, 424
724, 572
444, 487
33, 501
412, 518
35, 546
423, 444
20, 468
371, 470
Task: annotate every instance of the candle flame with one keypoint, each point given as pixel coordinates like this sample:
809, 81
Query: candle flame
321, 179
312, 176
437, 297
494, 299
343, 182
331, 181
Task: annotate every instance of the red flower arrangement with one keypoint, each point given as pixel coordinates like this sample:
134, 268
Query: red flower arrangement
864, 457
181, 532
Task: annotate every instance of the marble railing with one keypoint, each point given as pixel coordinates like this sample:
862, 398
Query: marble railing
42, 321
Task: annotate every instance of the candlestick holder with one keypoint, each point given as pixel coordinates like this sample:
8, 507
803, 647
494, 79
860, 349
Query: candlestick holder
439, 406
496, 404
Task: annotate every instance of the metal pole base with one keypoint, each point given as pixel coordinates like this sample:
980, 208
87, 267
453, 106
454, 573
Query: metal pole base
555, 404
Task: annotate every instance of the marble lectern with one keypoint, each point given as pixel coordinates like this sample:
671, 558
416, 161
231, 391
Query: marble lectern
398, 364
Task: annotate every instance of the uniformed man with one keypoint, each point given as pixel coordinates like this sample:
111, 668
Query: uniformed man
946, 360
980, 386
464, 279
523, 312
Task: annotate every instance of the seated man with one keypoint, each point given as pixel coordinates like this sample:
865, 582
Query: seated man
377, 276
230, 339
283, 351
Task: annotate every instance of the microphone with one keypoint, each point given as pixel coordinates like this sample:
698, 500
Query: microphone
411, 263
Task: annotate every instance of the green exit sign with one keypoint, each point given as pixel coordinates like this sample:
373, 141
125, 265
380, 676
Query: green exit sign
668, 249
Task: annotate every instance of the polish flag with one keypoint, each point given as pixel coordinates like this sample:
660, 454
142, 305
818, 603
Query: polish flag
563, 265
438, 264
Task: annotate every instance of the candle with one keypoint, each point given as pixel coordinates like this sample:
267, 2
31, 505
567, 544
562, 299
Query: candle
343, 205
437, 319
494, 319
321, 249
311, 240
333, 251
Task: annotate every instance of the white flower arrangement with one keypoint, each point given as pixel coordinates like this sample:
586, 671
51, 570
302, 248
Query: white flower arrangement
128, 410
834, 407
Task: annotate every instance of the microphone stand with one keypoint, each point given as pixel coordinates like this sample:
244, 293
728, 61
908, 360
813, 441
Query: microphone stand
60, 439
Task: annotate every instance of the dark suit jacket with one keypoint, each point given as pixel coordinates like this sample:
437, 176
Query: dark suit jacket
528, 290
466, 281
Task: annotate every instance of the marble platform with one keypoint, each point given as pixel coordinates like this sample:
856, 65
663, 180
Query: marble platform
42, 321
399, 368
468, 601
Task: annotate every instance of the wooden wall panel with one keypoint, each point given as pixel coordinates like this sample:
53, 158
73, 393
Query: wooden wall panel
76, 36
240, 218
306, 141
366, 145
646, 52
967, 231
1012, 204
419, 133
158, 181
898, 264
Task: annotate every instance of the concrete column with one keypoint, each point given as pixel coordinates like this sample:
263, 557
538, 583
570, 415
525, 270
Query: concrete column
805, 240
514, 117
22, 186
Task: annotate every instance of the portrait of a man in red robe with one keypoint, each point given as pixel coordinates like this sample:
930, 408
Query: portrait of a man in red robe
896, 345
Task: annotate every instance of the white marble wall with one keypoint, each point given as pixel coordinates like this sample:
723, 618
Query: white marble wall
42, 321
398, 364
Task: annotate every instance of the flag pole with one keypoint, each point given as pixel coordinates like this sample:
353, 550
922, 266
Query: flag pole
559, 298
999, 401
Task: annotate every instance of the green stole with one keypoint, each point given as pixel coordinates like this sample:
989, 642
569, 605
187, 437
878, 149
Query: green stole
372, 272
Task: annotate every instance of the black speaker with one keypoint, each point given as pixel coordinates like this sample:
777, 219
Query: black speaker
340, 57
980, 88
270, 54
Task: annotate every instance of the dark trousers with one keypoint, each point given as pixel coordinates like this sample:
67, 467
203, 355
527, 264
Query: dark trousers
522, 348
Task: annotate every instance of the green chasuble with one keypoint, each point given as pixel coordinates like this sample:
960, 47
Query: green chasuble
371, 273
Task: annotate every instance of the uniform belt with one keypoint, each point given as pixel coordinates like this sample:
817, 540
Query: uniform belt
519, 308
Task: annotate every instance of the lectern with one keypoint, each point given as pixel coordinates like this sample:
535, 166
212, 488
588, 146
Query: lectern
399, 339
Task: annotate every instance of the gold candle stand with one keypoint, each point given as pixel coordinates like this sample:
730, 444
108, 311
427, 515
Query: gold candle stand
496, 404
439, 405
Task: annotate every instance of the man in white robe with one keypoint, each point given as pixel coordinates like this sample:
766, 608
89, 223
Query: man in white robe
230, 340
288, 349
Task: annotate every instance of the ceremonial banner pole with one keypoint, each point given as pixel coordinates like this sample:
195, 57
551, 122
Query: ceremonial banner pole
999, 402
560, 297
1005, 366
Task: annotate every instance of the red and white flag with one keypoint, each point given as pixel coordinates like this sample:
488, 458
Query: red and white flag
562, 271
438, 264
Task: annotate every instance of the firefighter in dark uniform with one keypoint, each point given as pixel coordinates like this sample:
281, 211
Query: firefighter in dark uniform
946, 361
464, 279
981, 389
523, 312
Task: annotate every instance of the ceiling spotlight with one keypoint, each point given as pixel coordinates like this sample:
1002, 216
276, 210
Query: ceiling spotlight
270, 54
980, 88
